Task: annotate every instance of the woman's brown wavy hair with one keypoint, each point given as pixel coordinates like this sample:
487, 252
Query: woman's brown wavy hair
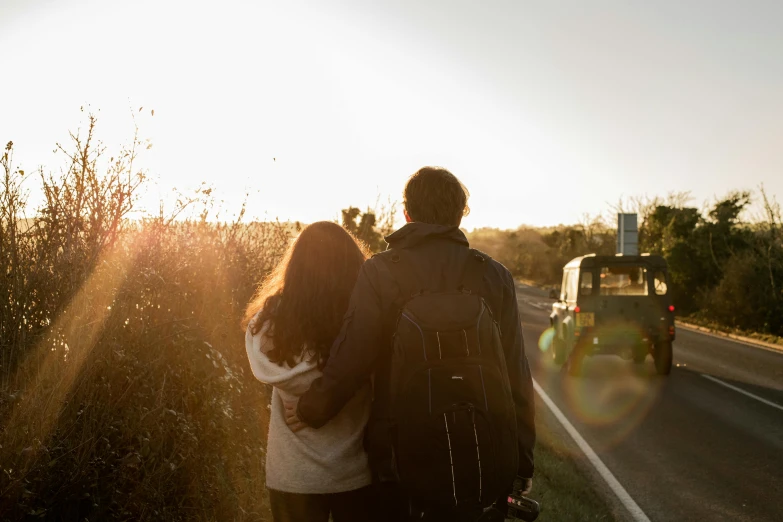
305, 297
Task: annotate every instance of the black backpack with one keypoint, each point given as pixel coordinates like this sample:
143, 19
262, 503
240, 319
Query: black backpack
453, 423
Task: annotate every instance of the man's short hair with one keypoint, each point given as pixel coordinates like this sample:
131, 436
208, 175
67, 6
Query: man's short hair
435, 195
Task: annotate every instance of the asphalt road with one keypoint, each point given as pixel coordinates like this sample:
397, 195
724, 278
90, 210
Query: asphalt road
685, 447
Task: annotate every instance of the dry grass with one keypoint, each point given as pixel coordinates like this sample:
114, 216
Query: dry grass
136, 402
124, 388
561, 484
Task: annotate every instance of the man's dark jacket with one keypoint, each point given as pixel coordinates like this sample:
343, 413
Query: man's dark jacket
437, 255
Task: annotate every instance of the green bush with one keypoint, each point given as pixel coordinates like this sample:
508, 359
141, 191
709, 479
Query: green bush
722, 270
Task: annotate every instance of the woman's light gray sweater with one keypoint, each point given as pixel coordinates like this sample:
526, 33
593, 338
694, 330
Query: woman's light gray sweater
330, 459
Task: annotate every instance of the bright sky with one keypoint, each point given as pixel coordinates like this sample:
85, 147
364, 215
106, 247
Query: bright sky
545, 109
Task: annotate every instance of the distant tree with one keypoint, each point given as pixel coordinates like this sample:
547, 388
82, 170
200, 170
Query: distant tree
540, 254
698, 248
666, 226
723, 233
367, 226
669, 231
746, 292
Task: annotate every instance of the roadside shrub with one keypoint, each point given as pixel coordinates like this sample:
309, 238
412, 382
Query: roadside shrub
124, 392
746, 298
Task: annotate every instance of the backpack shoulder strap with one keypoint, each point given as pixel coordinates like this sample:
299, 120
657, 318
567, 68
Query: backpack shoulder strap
473, 273
399, 264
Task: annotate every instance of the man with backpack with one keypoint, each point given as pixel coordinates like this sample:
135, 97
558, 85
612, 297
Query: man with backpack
435, 324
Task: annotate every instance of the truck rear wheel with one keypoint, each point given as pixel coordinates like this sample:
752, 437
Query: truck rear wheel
576, 360
640, 354
558, 350
663, 355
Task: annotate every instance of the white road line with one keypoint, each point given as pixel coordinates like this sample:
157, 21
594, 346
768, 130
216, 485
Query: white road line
633, 508
740, 390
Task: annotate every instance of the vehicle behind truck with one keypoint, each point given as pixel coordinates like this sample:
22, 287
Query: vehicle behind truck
619, 305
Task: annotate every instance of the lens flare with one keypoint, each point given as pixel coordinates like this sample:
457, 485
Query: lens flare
545, 341
614, 394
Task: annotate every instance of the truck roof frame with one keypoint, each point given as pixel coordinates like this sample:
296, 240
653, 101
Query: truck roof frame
593, 260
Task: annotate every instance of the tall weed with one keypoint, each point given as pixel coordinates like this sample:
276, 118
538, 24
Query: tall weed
124, 392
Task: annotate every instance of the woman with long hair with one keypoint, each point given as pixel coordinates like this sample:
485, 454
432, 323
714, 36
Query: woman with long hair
290, 325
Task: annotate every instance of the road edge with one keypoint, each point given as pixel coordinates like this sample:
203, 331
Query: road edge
563, 446
613, 491
724, 335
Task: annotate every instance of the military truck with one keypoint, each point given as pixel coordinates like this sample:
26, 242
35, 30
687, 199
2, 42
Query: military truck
618, 305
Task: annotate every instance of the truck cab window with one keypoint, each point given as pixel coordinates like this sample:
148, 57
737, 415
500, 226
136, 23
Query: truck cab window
586, 287
660, 283
624, 280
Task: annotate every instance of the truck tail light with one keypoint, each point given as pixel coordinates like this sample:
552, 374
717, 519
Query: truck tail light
671, 308
577, 309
